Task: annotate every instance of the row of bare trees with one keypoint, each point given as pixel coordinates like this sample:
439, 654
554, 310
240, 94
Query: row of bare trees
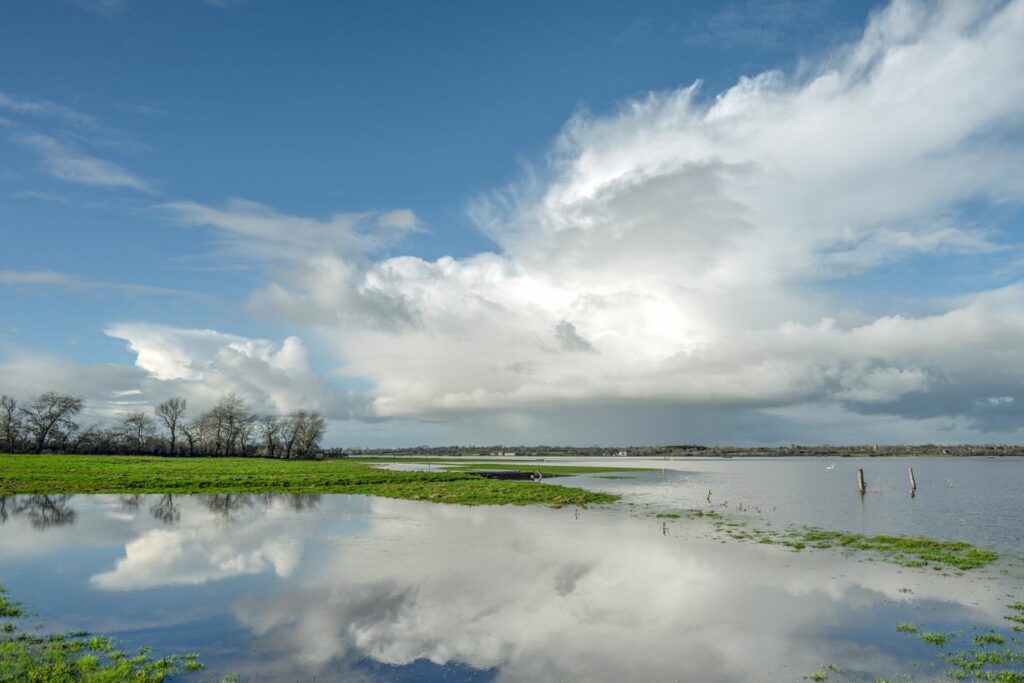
47, 423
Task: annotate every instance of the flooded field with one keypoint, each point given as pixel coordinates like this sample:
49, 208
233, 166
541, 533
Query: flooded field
331, 588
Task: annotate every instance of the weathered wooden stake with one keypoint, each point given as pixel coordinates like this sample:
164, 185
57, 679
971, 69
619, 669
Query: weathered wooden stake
913, 482
860, 482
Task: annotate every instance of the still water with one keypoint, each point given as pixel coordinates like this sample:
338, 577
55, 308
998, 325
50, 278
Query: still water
350, 588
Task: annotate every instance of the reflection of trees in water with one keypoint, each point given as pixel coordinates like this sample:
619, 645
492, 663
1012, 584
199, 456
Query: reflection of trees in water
164, 510
131, 503
42, 512
230, 506
295, 501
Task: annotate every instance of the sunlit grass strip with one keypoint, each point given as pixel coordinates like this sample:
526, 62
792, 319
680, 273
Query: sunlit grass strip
53, 474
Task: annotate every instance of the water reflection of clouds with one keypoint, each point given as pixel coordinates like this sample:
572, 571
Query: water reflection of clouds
534, 594
543, 597
222, 537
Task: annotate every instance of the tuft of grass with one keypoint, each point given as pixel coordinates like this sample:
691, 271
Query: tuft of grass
8, 609
988, 639
906, 627
667, 515
935, 638
53, 474
816, 676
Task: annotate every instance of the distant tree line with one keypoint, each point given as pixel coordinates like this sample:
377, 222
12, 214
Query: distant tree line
46, 423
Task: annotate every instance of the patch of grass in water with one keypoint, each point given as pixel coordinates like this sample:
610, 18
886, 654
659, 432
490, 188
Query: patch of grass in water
8, 609
909, 551
935, 638
905, 627
667, 515
60, 659
988, 639
52, 474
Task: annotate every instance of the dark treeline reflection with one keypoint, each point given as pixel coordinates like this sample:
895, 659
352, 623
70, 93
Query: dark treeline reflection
43, 512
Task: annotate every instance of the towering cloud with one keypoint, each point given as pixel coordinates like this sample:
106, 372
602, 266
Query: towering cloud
677, 251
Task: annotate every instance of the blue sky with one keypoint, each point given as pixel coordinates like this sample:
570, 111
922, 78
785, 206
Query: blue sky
510, 164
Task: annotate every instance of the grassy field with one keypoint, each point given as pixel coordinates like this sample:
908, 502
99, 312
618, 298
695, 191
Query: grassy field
52, 474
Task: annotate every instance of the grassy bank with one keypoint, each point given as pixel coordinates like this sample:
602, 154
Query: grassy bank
51, 474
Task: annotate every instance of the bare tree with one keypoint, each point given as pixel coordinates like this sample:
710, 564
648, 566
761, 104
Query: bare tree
270, 431
48, 412
192, 431
302, 430
228, 425
10, 424
138, 428
89, 439
171, 412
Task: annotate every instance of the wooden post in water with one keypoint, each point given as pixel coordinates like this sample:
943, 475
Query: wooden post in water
860, 481
913, 482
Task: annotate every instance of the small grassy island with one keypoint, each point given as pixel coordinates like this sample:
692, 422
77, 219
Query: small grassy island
52, 474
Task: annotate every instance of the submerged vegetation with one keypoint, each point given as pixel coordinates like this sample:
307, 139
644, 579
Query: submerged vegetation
909, 551
28, 474
81, 657
988, 660
906, 551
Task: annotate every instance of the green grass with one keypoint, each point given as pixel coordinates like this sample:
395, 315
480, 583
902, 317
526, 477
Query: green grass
906, 628
988, 661
909, 551
87, 659
935, 638
906, 551
52, 474
8, 609
988, 639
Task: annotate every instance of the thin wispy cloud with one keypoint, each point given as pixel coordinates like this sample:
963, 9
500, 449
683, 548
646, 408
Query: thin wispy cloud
47, 278
70, 164
41, 108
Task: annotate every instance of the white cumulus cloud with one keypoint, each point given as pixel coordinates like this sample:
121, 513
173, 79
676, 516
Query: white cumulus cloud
674, 251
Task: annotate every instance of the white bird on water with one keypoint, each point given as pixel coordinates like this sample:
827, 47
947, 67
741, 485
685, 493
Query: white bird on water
830, 467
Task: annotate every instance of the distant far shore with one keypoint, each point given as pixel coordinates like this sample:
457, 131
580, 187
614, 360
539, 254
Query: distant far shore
684, 451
